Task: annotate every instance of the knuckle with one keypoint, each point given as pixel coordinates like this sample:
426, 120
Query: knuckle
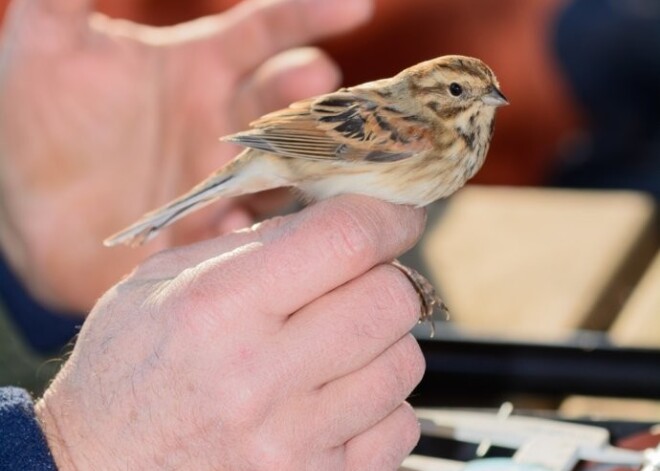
409, 428
402, 434
400, 369
270, 452
195, 305
405, 223
408, 362
188, 293
247, 399
265, 454
350, 235
396, 292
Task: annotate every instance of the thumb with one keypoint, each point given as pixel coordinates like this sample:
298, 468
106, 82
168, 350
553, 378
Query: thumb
52, 22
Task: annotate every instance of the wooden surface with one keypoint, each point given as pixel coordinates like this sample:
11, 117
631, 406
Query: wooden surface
612, 408
638, 324
539, 262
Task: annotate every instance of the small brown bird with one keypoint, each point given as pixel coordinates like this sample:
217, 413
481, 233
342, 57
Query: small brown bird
410, 139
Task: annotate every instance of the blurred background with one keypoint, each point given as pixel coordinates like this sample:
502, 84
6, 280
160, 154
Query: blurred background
515, 37
555, 243
582, 76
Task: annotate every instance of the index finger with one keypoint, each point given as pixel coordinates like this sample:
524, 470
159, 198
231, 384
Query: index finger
317, 250
255, 30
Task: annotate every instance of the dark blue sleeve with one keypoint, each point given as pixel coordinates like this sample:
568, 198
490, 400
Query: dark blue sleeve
22, 443
45, 330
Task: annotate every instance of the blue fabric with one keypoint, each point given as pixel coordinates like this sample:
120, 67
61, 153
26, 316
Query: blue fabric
44, 330
610, 53
22, 443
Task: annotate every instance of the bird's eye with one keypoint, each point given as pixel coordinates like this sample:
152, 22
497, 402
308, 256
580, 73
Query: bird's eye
455, 89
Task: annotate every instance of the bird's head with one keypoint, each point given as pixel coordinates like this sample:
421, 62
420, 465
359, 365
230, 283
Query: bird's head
455, 88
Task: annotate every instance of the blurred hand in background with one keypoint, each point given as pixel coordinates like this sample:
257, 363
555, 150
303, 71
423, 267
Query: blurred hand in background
102, 120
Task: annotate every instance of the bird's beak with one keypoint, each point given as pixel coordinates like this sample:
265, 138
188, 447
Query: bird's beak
494, 98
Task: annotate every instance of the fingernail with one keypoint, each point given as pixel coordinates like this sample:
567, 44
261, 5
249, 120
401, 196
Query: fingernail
361, 10
311, 72
297, 57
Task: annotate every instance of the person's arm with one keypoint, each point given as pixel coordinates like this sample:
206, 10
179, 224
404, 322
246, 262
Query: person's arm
282, 347
104, 120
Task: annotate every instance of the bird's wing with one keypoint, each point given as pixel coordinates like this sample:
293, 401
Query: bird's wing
347, 125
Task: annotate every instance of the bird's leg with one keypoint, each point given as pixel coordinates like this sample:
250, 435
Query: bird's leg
427, 294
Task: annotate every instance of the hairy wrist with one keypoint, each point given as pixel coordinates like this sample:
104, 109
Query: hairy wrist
59, 448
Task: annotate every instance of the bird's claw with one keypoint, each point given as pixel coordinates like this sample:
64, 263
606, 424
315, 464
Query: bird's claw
427, 295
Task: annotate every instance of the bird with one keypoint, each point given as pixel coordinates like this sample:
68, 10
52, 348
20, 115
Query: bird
409, 139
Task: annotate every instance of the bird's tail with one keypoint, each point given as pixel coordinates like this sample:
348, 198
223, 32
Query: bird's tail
243, 175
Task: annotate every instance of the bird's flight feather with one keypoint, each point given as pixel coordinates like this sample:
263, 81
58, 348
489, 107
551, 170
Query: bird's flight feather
349, 125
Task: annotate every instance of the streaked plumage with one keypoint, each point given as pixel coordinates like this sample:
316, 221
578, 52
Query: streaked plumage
410, 139
405, 139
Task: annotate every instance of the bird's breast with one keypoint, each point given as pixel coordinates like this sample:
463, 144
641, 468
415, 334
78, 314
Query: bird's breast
417, 181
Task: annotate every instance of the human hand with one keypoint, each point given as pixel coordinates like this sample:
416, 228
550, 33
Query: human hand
281, 347
103, 120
